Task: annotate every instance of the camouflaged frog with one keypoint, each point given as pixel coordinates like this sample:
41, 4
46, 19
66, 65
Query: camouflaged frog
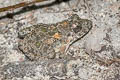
50, 41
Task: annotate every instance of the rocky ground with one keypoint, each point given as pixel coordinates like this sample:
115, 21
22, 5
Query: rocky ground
99, 51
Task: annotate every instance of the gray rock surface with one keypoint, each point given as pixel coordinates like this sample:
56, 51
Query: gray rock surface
96, 56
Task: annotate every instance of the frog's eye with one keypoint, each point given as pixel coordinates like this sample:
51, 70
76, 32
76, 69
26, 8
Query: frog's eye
74, 17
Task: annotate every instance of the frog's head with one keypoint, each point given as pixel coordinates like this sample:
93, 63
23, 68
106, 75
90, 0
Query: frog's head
78, 24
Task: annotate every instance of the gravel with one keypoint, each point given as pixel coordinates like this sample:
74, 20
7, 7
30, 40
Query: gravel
97, 55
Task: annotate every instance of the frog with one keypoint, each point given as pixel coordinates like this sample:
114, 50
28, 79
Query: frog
52, 41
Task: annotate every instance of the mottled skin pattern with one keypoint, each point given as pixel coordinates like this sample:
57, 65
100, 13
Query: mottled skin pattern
49, 41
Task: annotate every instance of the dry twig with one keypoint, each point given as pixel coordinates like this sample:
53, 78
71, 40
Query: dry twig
23, 4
